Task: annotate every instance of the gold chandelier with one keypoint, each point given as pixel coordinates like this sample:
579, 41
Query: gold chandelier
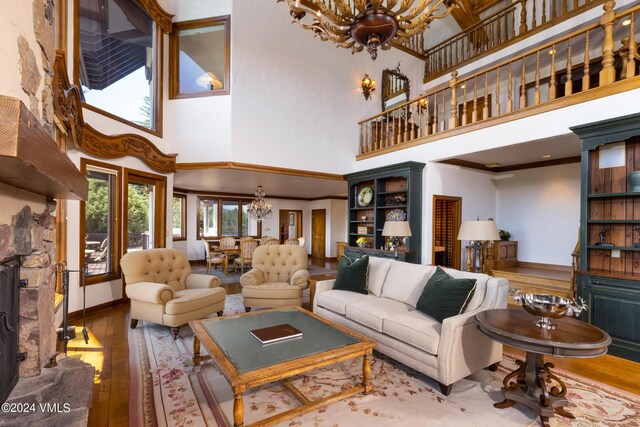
356, 24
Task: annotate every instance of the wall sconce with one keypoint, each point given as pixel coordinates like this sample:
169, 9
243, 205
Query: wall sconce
368, 86
423, 104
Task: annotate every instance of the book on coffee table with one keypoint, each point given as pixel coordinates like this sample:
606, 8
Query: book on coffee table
275, 333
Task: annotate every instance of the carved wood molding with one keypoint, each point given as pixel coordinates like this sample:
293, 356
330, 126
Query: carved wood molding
67, 105
158, 14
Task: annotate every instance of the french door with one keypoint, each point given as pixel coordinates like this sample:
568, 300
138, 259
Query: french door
144, 211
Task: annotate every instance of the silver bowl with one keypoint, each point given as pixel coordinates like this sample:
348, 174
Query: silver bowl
549, 307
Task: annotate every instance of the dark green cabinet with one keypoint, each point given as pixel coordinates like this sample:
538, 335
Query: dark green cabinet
609, 274
388, 192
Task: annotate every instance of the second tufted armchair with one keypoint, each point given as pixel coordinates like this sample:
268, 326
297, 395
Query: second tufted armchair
163, 290
277, 277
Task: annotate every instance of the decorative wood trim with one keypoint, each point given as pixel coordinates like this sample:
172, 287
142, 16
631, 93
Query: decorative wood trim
158, 14
258, 168
510, 168
68, 109
252, 196
577, 98
62, 14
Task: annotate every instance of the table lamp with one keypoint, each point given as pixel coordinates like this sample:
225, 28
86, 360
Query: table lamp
396, 229
478, 233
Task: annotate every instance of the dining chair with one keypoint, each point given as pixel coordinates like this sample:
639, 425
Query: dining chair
268, 240
212, 258
246, 254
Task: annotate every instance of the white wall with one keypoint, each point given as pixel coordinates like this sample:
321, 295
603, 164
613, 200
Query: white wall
541, 209
476, 188
296, 100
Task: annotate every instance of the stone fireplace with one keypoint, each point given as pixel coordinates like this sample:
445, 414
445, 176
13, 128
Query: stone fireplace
31, 236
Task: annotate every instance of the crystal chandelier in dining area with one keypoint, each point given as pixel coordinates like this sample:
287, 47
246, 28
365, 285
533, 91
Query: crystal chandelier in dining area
259, 209
356, 24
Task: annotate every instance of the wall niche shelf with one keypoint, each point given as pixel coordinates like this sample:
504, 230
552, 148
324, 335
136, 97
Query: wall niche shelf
401, 184
609, 276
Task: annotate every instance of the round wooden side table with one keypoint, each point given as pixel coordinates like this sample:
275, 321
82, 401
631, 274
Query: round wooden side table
532, 383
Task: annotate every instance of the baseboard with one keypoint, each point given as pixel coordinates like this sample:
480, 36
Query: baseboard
552, 267
75, 315
332, 258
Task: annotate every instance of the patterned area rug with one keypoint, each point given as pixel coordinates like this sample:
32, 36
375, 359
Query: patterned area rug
167, 391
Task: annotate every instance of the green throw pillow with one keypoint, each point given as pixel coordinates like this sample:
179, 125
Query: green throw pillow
352, 275
444, 297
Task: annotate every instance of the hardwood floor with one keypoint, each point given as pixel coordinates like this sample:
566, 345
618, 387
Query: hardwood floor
108, 351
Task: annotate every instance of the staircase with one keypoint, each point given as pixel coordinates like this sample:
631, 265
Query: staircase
537, 279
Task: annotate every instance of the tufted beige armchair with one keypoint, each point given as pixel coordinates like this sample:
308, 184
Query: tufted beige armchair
277, 277
163, 290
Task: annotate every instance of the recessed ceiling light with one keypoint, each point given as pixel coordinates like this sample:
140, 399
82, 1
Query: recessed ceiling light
626, 22
492, 165
546, 156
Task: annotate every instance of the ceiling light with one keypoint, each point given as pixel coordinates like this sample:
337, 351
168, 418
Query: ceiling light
546, 156
368, 23
492, 165
259, 208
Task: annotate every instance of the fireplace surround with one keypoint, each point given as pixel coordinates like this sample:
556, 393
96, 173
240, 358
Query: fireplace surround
9, 327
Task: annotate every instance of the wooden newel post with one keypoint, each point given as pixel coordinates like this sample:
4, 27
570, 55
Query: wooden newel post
453, 114
608, 73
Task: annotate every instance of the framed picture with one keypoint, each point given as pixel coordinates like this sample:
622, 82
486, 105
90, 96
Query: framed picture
292, 219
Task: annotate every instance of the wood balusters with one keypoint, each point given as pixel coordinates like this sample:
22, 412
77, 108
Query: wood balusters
568, 85
502, 27
550, 79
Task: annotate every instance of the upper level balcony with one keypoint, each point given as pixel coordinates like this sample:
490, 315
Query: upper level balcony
594, 61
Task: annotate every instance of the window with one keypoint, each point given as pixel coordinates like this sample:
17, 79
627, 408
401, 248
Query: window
99, 227
144, 210
117, 60
249, 225
199, 58
179, 220
225, 217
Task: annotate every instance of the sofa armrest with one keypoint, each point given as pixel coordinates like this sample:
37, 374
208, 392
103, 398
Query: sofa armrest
201, 281
252, 277
155, 293
300, 278
463, 349
321, 286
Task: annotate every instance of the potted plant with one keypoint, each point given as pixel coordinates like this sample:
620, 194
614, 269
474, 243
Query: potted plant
504, 235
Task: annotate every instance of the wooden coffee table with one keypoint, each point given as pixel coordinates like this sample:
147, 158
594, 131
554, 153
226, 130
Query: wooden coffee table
531, 383
246, 363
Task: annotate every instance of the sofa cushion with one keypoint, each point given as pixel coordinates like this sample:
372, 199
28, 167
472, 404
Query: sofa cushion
404, 282
189, 300
481, 286
416, 329
378, 269
371, 311
336, 300
444, 297
352, 275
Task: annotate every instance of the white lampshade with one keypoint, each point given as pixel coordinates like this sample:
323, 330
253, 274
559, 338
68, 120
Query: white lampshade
396, 229
478, 231
209, 80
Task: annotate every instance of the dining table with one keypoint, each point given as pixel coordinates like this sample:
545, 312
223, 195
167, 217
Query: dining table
227, 254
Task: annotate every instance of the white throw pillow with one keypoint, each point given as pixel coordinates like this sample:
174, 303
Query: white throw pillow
405, 282
378, 269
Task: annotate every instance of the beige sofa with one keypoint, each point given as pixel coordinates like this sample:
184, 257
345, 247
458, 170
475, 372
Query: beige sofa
277, 277
163, 290
446, 351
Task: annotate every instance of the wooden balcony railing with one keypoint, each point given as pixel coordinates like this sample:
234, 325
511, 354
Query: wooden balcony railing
515, 22
566, 71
